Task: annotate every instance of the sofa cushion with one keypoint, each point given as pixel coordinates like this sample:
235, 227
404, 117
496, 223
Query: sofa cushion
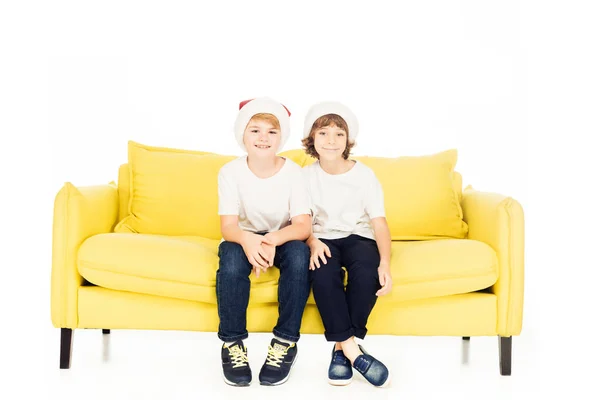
185, 267
177, 267
172, 192
436, 268
442, 267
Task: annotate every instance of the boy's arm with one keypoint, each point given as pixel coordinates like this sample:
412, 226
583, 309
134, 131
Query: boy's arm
300, 229
301, 226
383, 239
230, 229
311, 237
384, 244
376, 210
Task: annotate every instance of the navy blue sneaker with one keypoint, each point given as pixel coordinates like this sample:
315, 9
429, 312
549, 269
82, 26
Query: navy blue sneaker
340, 369
280, 360
236, 370
373, 370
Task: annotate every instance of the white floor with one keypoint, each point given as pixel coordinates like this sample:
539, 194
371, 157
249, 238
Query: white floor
186, 365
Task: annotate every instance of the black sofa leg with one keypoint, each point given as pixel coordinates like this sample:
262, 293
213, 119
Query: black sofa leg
105, 331
505, 349
66, 346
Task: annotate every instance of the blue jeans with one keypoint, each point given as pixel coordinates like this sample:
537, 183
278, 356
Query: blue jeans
233, 289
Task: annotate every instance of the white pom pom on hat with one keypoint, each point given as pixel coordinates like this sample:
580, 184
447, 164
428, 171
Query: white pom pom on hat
259, 105
331, 107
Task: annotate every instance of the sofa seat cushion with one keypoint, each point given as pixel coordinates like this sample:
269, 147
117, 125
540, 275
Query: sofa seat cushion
442, 267
185, 267
436, 268
181, 267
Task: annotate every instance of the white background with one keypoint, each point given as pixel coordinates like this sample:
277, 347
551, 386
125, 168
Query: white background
514, 86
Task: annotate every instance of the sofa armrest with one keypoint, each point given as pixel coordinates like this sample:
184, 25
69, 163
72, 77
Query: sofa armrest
78, 214
499, 221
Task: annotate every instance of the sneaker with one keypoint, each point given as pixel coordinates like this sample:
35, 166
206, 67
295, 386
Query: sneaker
236, 369
340, 369
280, 360
373, 370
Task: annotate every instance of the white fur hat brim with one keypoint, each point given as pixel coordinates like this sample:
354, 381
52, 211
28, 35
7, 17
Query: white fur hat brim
258, 106
331, 107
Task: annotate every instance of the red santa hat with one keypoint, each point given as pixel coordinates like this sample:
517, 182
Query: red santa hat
249, 108
331, 107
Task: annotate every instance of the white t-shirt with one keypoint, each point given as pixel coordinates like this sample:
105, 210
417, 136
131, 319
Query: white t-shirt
344, 204
262, 205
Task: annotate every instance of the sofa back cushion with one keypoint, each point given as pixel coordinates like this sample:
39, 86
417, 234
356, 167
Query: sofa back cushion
174, 192
171, 192
421, 197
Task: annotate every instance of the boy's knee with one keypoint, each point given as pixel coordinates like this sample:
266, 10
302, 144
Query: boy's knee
366, 277
297, 256
232, 259
326, 277
299, 249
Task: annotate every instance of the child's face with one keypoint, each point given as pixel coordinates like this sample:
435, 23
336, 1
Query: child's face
261, 138
330, 142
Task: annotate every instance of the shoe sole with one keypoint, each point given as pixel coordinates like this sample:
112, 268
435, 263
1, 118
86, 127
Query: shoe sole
385, 384
227, 381
339, 382
284, 380
387, 381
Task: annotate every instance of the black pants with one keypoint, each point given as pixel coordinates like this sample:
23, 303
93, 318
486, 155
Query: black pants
345, 312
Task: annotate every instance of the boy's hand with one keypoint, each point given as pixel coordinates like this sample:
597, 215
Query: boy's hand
252, 245
269, 250
385, 280
318, 250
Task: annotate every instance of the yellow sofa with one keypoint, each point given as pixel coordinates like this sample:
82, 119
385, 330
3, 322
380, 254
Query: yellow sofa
142, 254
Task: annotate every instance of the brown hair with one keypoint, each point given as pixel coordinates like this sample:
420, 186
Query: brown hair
321, 122
266, 117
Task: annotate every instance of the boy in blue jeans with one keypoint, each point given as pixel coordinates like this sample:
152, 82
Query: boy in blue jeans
264, 209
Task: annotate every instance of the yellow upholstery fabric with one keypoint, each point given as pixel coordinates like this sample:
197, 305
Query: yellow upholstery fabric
185, 267
124, 188
172, 192
420, 201
178, 267
79, 213
472, 314
499, 221
435, 268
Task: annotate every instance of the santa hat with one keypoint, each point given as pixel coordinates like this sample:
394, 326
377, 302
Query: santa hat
331, 107
250, 108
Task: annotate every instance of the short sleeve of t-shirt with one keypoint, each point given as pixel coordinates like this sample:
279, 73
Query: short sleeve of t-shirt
228, 193
299, 196
375, 205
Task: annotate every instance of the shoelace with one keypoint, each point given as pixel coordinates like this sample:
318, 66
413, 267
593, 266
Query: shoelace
275, 356
238, 356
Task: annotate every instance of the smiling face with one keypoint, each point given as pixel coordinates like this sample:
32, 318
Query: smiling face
330, 142
328, 139
262, 136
